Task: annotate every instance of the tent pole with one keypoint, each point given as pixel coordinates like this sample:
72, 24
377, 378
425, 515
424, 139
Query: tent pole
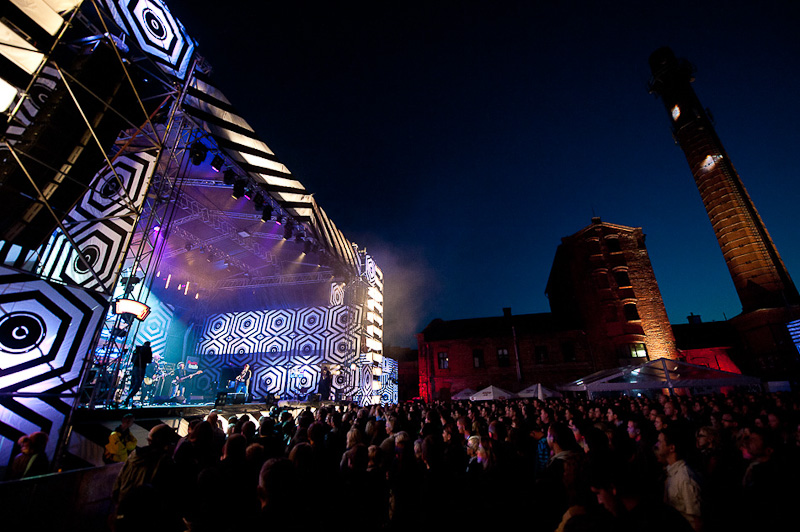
666, 374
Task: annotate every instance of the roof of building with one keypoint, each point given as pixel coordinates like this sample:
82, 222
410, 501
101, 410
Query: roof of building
493, 327
704, 335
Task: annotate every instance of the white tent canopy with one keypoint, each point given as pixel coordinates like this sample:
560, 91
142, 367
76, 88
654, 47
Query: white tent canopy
658, 374
538, 391
463, 395
491, 393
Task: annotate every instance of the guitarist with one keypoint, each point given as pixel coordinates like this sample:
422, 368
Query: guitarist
181, 376
243, 380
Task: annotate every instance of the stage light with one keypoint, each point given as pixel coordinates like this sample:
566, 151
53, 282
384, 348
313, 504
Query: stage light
258, 201
229, 177
134, 308
266, 214
188, 246
217, 162
307, 247
132, 280
238, 188
287, 232
198, 152
157, 228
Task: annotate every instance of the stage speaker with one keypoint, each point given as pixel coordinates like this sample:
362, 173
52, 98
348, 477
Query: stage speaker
222, 399
58, 151
239, 398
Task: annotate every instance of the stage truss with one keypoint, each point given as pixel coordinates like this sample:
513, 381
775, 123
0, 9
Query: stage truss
95, 208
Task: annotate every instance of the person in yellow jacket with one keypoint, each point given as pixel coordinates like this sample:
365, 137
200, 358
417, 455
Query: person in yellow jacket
120, 442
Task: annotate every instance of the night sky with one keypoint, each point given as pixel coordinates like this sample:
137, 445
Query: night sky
459, 141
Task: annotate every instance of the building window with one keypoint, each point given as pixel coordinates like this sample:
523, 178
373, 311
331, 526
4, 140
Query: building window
502, 358
637, 350
477, 358
540, 352
568, 351
622, 279
444, 361
631, 314
613, 245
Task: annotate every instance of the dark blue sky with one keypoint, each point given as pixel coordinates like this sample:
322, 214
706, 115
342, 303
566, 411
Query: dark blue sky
459, 141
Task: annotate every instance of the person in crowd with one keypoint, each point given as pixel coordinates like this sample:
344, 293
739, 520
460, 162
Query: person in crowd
150, 465
32, 460
120, 442
681, 487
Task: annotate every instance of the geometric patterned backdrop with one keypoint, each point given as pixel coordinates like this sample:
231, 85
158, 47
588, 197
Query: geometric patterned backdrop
42, 87
159, 34
101, 224
388, 390
45, 333
286, 348
155, 326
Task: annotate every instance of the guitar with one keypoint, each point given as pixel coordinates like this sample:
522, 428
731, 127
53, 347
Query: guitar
178, 380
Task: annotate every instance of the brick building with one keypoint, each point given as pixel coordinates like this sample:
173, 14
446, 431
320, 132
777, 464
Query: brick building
606, 311
602, 281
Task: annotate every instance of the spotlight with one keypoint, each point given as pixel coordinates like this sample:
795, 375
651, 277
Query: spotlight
229, 177
134, 280
217, 162
287, 232
238, 188
258, 201
198, 152
188, 246
266, 214
307, 247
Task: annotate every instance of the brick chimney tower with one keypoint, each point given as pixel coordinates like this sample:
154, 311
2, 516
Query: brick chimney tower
760, 277
765, 289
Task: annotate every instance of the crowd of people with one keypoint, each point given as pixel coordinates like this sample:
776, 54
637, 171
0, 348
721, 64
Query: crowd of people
706, 463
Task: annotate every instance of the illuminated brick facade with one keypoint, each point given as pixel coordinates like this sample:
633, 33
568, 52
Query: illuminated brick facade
769, 297
607, 311
603, 281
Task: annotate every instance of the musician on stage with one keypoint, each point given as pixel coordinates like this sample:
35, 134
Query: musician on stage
178, 382
243, 380
141, 357
325, 384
